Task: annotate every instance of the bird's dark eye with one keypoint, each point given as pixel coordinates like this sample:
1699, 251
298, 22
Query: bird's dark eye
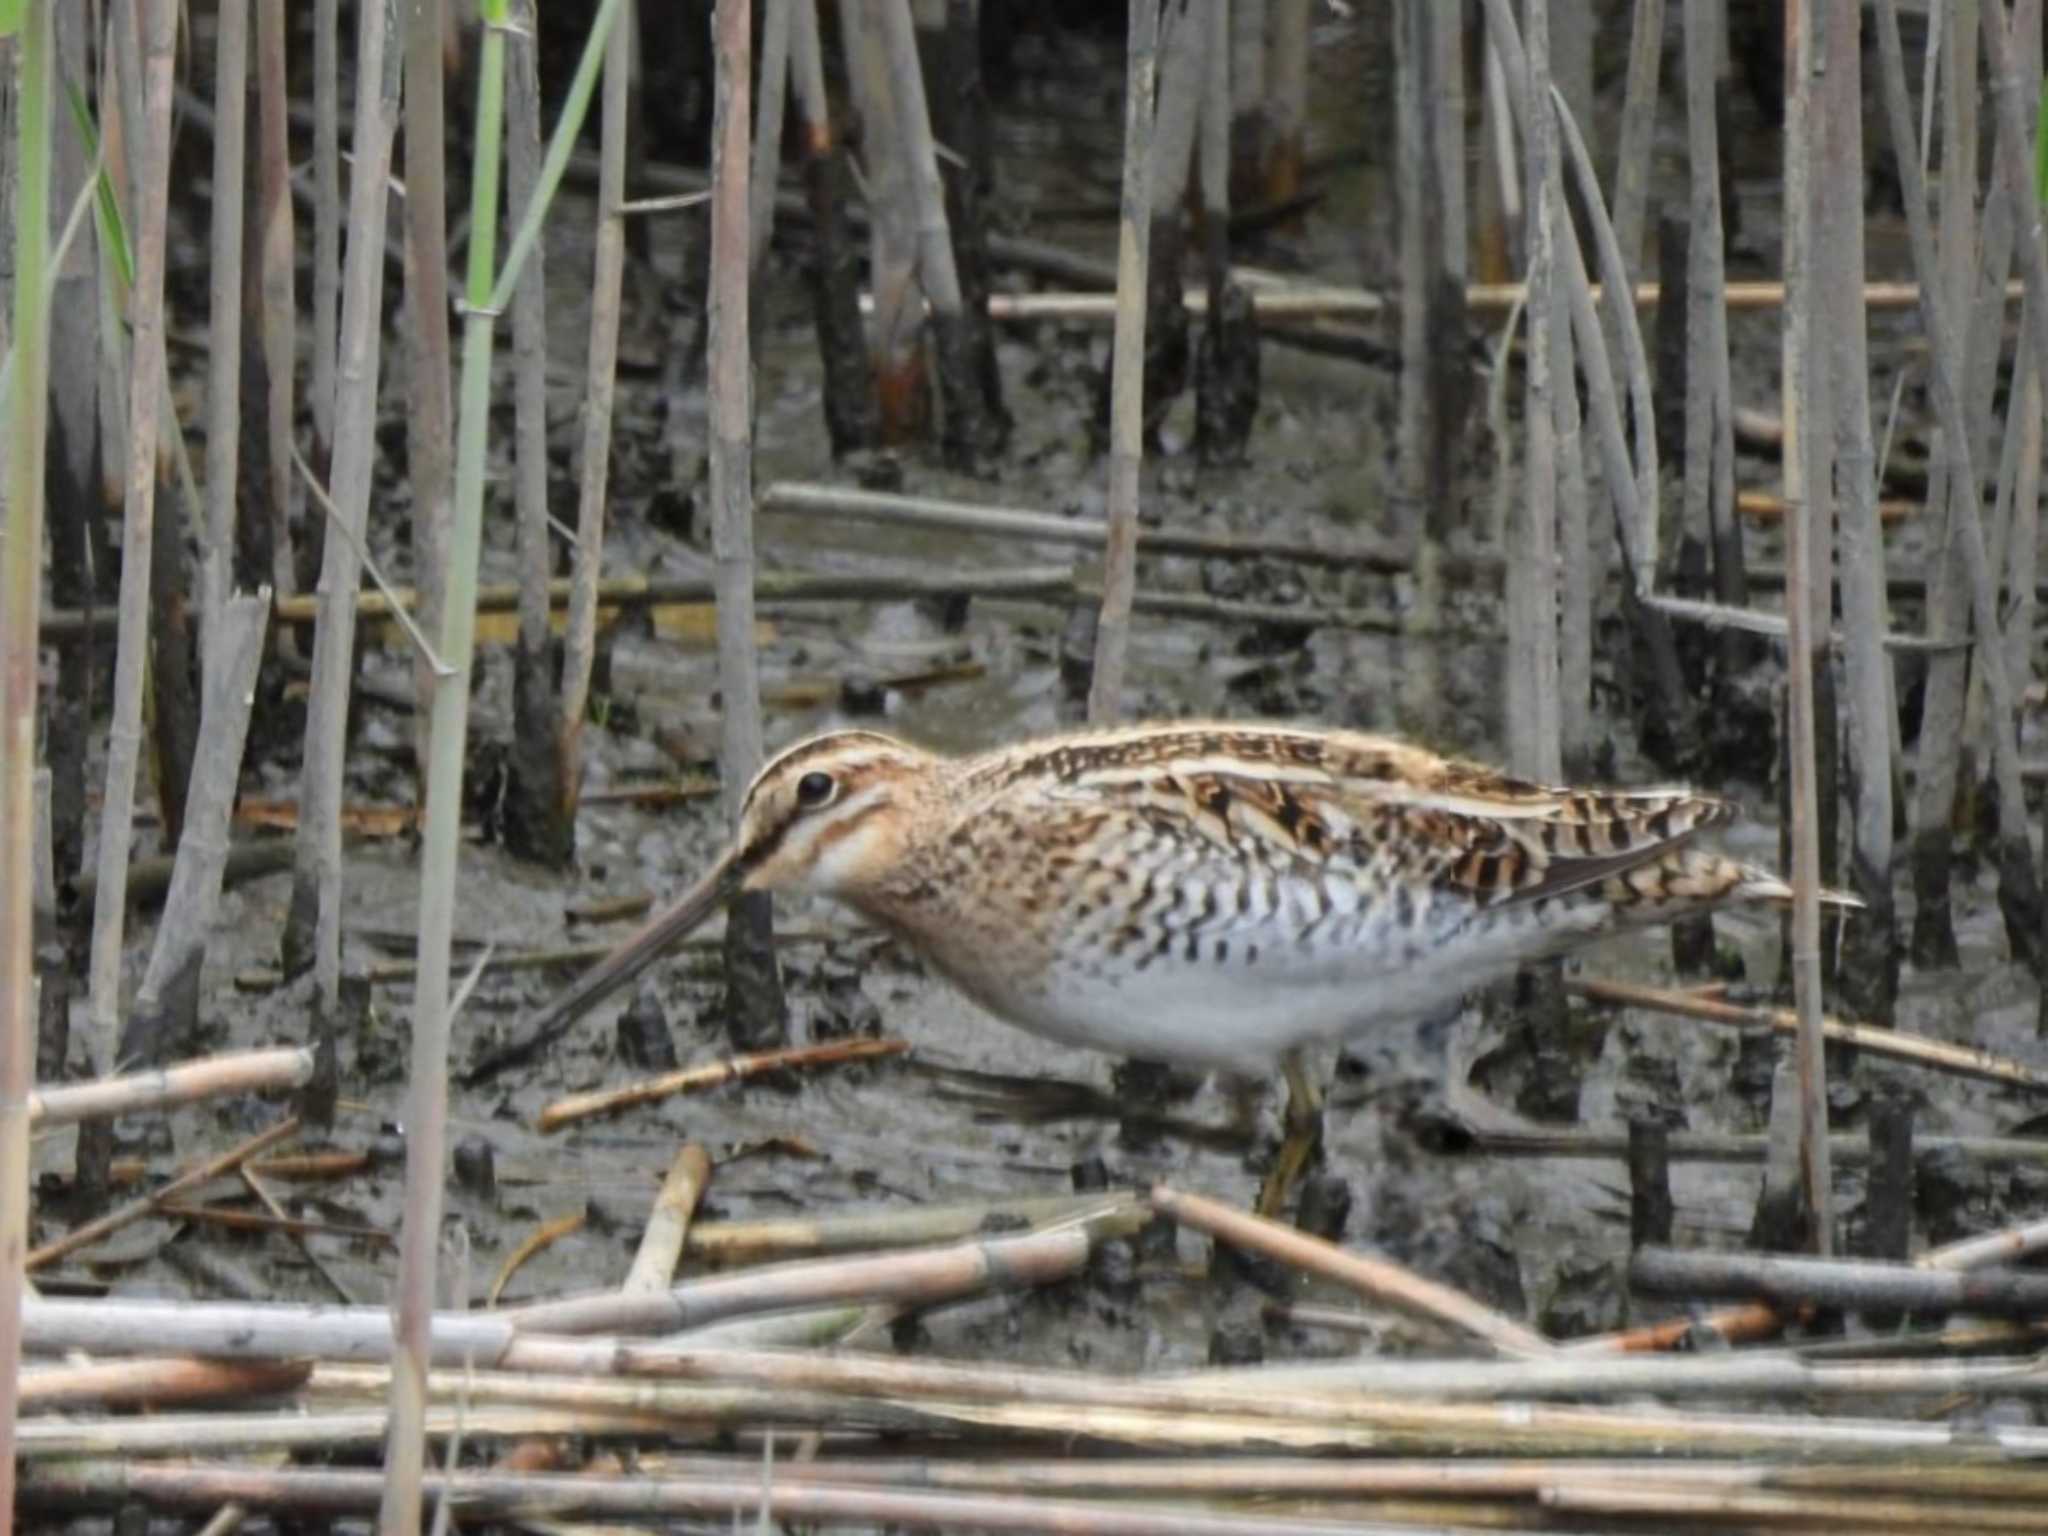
813, 790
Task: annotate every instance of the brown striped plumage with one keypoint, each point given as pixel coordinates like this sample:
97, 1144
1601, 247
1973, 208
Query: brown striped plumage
1209, 893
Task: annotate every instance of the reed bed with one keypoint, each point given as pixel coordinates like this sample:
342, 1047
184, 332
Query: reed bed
1852, 580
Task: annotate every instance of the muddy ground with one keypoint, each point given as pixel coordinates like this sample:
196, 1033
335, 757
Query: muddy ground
961, 1118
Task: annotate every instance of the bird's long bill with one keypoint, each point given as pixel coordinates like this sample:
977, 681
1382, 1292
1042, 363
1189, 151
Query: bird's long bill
643, 948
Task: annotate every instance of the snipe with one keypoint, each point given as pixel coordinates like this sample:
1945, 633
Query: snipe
1206, 894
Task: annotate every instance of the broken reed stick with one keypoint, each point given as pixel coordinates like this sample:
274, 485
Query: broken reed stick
1279, 1476
312, 1165
1729, 1326
258, 1071
1706, 1147
269, 1201
1938, 1055
512, 1340
1840, 1512
2010, 1245
669, 1405
268, 1221
1770, 507
1293, 302
182, 1435
1377, 1279
1749, 1373
807, 1328
604, 1101
539, 1240
914, 1276
841, 502
1010, 1495
1838, 1284
136, 1209
750, 1242
153, 1383
736, 1387
106, 1484
668, 1225
642, 592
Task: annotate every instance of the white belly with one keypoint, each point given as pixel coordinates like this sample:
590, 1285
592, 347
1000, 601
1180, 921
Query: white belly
1240, 1011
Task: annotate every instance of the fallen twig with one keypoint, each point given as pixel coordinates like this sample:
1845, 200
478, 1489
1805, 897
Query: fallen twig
1378, 1279
1710, 1147
135, 1210
1330, 301
1839, 1284
267, 1221
542, 1237
1937, 1054
643, 592
602, 1101
101, 1484
257, 1071
842, 503
2010, 1245
668, 1225
914, 1276
510, 1340
157, 1382
1770, 507
750, 1242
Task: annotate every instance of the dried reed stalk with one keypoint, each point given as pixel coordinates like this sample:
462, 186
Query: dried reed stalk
964, 427
191, 1178
906, 1277
167, 1002
430, 423
838, 502
1378, 1279
21, 558
1840, 1284
579, 640
104, 1483
668, 1225
72, 361
1847, 1148
224, 317
751, 1242
604, 1101
151, 150
326, 227
275, 303
487, 293
756, 1009
1532, 695
776, 26
1561, 1376
157, 1383
313, 926
1870, 978
1127, 368
2018, 891
1281, 303
1807, 466
1939, 1055
515, 1340
257, 1071
536, 825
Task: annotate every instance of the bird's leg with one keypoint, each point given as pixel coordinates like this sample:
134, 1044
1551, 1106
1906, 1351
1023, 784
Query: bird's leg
1304, 1139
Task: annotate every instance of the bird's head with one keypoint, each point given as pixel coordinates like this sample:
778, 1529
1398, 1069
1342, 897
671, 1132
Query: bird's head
828, 815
